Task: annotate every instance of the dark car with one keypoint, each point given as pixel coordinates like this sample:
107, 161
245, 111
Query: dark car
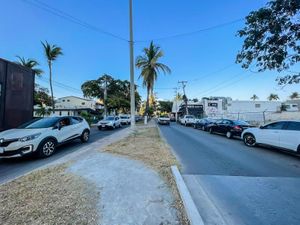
203, 123
228, 127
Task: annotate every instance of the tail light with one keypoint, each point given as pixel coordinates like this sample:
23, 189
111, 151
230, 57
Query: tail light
237, 128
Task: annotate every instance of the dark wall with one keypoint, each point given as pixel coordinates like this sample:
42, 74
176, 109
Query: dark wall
16, 94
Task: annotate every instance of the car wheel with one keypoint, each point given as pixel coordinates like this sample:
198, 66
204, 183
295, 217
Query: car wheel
99, 128
85, 136
228, 134
211, 130
249, 140
114, 126
47, 148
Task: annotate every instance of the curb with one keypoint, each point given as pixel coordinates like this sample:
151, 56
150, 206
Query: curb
189, 205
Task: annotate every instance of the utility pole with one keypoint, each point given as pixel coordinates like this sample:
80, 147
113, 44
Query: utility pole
176, 113
105, 95
183, 83
132, 86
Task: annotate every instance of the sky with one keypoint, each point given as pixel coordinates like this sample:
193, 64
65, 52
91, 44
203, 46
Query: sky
205, 59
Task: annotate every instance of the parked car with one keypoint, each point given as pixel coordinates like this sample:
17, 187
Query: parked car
281, 134
187, 120
110, 122
125, 119
203, 123
228, 127
42, 136
163, 120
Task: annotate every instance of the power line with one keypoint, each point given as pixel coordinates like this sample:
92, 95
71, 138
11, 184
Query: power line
70, 18
192, 32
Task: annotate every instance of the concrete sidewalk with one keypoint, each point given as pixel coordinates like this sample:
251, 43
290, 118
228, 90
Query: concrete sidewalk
130, 192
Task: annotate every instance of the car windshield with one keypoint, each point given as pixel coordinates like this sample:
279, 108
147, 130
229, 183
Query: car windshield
124, 117
40, 123
240, 122
110, 118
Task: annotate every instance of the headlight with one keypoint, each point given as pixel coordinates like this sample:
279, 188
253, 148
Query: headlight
29, 137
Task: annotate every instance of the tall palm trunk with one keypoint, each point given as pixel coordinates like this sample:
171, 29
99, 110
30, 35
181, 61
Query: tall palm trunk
147, 101
51, 88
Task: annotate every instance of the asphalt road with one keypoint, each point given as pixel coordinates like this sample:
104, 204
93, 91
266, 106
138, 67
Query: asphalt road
234, 184
14, 167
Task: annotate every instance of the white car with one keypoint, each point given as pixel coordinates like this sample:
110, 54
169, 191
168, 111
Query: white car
281, 134
42, 136
163, 120
125, 119
110, 122
187, 120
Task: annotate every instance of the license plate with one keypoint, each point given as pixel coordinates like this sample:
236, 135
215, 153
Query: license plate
103, 125
1, 150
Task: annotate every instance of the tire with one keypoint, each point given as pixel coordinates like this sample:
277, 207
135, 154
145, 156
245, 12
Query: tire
46, 148
114, 126
249, 140
211, 130
195, 126
99, 128
228, 134
85, 136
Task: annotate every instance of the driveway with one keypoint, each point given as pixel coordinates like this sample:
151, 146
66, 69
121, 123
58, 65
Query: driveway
14, 167
233, 184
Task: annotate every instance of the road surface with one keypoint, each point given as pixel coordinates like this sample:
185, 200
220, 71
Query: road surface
14, 167
234, 184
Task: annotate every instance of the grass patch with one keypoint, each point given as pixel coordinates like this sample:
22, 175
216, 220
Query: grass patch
146, 145
49, 196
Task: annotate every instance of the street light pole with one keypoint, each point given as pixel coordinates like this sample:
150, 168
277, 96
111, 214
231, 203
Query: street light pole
132, 86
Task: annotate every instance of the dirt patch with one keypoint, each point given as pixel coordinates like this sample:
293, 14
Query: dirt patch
49, 196
146, 145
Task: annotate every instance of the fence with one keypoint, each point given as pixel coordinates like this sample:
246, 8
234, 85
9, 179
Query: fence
258, 118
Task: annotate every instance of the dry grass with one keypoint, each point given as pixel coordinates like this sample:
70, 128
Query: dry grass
49, 196
146, 145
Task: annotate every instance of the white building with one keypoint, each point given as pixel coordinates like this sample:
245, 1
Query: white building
72, 106
253, 106
214, 107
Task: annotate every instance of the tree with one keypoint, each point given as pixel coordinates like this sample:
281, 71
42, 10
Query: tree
150, 68
31, 64
43, 111
271, 39
41, 96
51, 53
254, 97
118, 92
178, 97
294, 95
165, 106
273, 97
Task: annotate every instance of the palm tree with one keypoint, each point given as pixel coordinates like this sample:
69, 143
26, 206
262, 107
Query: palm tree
294, 95
273, 97
150, 68
31, 64
254, 97
51, 53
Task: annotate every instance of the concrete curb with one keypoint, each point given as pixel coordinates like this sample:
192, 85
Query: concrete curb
189, 205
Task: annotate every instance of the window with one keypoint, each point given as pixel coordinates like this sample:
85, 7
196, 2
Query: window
82, 103
74, 120
60, 113
293, 126
64, 122
68, 100
275, 126
63, 100
227, 122
213, 104
257, 105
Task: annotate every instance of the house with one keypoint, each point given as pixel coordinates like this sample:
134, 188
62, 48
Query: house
16, 94
73, 106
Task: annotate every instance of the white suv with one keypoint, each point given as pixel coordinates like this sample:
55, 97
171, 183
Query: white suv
187, 120
109, 122
281, 134
125, 119
42, 136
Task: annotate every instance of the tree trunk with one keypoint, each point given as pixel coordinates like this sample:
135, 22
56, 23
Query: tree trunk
51, 88
147, 102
